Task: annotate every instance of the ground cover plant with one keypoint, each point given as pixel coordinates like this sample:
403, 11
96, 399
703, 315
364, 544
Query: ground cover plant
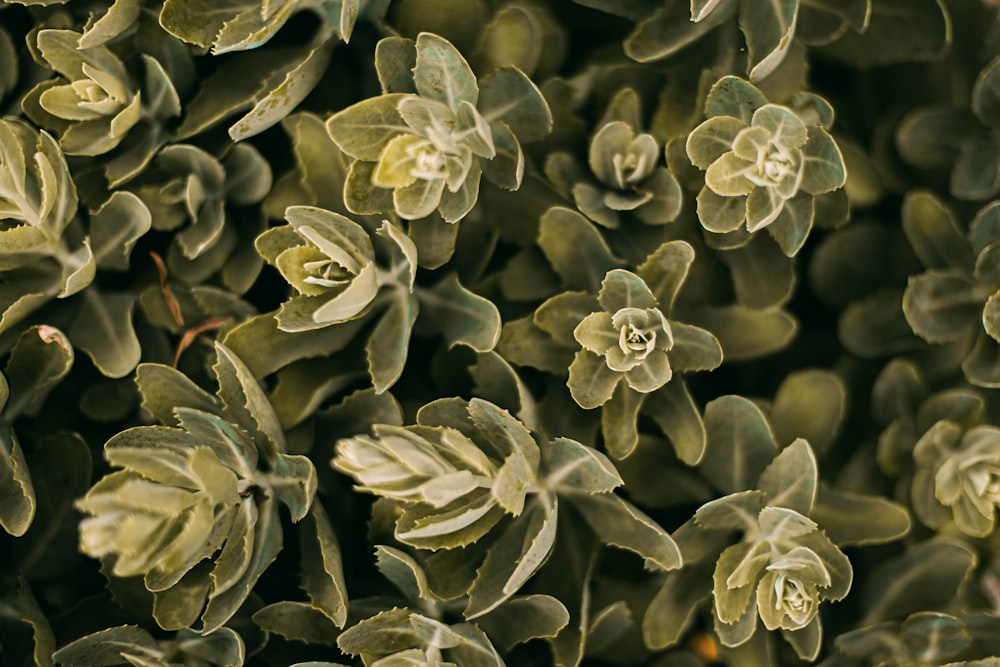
499, 332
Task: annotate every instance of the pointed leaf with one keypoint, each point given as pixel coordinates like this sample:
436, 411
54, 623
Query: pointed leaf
575, 249
441, 73
769, 28
388, 345
514, 557
620, 524
791, 478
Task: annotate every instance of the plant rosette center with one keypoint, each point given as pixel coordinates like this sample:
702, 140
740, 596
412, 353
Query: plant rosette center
629, 338
788, 594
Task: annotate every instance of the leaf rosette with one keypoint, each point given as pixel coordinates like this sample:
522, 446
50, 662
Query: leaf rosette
785, 566
957, 477
763, 168
626, 176
470, 473
957, 299
435, 131
193, 508
629, 339
93, 103
330, 262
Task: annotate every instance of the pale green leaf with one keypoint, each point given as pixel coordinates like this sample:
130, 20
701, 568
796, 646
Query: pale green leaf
619, 421
461, 315
363, 129
811, 404
509, 96
740, 443
670, 29
747, 333
389, 342
712, 139
940, 305
823, 167
791, 479
514, 557
620, 524
572, 468
523, 618
441, 73
296, 621
103, 329
277, 103
575, 249
322, 570
837, 512
768, 27
590, 381
719, 214
17, 494
898, 31
115, 227
675, 412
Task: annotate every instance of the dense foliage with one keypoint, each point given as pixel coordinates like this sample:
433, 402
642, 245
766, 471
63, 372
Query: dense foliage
499, 332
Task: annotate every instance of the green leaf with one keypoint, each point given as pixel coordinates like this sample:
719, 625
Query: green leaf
620, 524
747, 561
768, 28
934, 233
665, 270
928, 575
736, 511
740, 443
523, 618
976, 174
441, 73
462, 316
297, 621
40, 358
941, 305
733, 96
590, 381
932, 136
299, 80
103, 329
823, 167
986, 94
265, 548
514, 557
746, 333
509, 96
762, 274
388, 345
980, 366
363, 129
619, 421
524, 344
572, 468
670, 29
837, 512
17, 494
675, 412
264, 348
623, 289
244, 400
115, 227
575, 249
899, 31
712, 139
675, 605
719, 214
498, 382
395, 58
810, 404
105, 646
727, 176
790, 480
